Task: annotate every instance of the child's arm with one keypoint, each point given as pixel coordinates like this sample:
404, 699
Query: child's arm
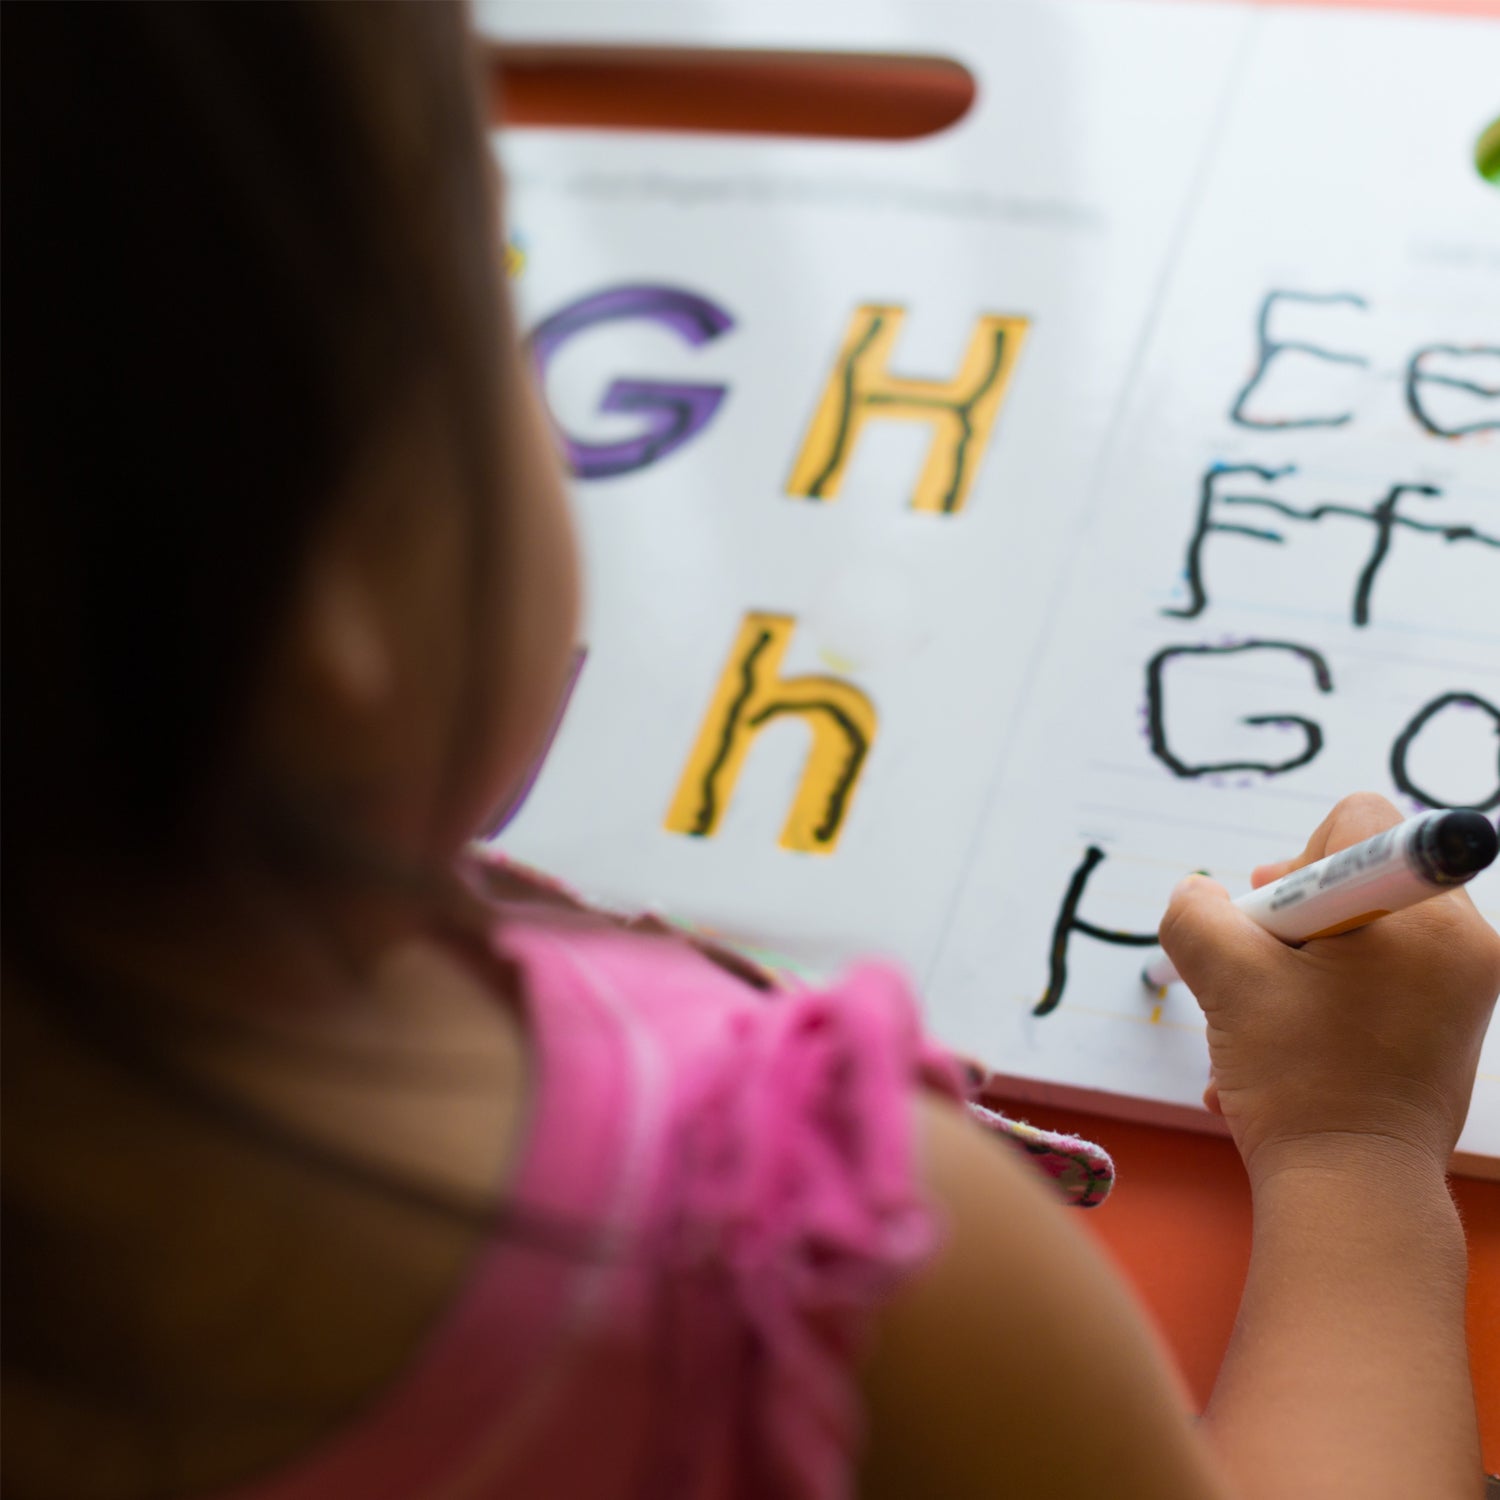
1016, 1363
1344, 1069
1348, 1373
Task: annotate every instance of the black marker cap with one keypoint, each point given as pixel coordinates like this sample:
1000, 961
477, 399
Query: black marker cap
1456, 847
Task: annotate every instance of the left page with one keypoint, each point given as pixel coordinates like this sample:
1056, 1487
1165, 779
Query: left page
833, 410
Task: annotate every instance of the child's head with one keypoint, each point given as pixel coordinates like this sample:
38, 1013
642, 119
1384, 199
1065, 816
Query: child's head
286, 562
289, 599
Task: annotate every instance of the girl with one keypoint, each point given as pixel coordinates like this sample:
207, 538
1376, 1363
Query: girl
343, 1164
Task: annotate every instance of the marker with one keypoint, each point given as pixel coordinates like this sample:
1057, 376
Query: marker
1424, 856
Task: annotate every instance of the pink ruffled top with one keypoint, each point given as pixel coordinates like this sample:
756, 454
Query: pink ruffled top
740, 1162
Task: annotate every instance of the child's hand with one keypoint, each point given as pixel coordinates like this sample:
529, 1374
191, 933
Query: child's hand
1368, 1040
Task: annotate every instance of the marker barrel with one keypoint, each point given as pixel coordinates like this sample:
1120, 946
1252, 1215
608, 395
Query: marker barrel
1422, 857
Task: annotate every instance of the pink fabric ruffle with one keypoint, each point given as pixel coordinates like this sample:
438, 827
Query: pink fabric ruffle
797, 1180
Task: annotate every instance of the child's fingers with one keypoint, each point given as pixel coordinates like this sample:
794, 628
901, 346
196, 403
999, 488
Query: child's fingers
1202, 930
1353, 819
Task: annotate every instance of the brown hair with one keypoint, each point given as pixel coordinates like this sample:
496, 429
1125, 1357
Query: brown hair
235, 237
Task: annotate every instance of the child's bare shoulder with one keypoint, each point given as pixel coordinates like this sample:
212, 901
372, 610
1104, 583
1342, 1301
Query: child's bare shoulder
1016, 1358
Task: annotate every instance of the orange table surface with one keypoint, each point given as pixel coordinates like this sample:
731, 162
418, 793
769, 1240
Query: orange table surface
1178, 1224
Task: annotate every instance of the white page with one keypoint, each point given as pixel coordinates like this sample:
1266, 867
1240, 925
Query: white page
1057, 198
1342, 171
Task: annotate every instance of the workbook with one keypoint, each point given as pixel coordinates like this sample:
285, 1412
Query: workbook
983, 531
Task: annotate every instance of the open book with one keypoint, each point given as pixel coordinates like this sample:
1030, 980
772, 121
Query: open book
983, 531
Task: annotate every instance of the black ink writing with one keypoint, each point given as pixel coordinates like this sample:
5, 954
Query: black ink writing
1208, 494
751, 694
1156, 711
708, 809
1418, 722
843, 784
1384, 517
961, 412
1069, 922
1417, 377
838, 449
1269, 348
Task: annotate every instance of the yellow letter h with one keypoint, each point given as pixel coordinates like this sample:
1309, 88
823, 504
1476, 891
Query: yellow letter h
962, 412
750, 695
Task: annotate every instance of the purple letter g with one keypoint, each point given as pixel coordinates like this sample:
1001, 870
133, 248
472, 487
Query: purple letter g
671, 413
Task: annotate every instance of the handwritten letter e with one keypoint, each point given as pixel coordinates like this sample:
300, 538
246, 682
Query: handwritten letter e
861, 388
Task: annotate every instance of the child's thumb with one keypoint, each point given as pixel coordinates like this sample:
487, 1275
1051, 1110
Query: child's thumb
1203, 931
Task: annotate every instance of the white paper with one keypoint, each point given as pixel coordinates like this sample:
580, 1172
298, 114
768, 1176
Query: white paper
1375, 198
1145, 184
1057, 197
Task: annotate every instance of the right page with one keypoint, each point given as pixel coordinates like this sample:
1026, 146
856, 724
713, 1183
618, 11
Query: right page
1289, 586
